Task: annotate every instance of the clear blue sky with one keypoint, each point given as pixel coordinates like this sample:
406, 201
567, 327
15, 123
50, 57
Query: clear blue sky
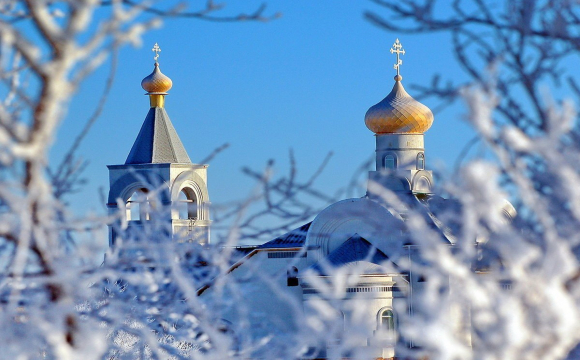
302, 82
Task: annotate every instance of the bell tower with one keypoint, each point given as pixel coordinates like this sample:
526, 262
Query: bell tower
399, 123
159, 187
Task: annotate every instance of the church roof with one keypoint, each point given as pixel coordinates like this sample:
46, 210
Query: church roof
399, 113
157, 141
355, 249
294, 238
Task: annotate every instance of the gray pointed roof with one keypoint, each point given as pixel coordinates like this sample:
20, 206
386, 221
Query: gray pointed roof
157, 141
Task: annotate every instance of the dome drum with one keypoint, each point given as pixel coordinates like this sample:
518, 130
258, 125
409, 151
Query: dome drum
400, 141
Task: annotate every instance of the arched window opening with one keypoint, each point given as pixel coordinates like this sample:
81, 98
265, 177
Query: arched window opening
292, 276
138, 206
421, 161
390, 162
187, 204
388, 321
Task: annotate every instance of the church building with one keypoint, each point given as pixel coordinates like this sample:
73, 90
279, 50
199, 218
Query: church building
364, 240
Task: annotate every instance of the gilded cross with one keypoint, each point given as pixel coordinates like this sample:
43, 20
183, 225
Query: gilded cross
398, 49
156, 49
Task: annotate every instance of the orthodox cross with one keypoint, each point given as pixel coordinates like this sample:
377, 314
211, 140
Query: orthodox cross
398, 49
156, 49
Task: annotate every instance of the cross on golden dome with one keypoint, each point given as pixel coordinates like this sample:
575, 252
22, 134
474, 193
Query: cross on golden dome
156, 84
398, 113
398, 49
156, 49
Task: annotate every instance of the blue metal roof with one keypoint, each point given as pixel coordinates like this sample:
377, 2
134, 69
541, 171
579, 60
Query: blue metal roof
294, 238
356, 248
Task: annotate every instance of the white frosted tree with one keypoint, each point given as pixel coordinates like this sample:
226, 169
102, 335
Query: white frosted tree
516, 282
52, 306
507, 287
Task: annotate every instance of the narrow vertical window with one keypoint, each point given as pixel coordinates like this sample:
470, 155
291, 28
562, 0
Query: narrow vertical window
390, 162
388, 321
421, 161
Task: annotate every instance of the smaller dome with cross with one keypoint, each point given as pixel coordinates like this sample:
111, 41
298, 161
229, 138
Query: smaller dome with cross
156, 83
398, 113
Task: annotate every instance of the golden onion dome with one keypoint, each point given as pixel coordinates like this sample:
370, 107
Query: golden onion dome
399, 113
156, 82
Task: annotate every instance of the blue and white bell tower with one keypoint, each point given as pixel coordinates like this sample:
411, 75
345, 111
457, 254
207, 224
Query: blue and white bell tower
158, 184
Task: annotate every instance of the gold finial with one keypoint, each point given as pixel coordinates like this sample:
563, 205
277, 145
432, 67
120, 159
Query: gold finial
398, 49
156, 49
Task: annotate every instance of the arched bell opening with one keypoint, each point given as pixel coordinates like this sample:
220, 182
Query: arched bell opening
187, 205
138, 206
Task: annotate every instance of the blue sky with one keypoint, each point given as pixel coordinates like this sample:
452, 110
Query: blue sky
301, 82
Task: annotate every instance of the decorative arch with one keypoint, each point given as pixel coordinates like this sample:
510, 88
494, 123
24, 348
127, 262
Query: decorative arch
140, 201
141, 192
195, 189
422, 182
128, 192
127, 184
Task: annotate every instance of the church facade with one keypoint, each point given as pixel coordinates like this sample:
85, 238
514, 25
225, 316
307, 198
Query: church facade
363, 240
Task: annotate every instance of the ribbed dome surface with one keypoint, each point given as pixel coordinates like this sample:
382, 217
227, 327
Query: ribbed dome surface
399, 113
156, 82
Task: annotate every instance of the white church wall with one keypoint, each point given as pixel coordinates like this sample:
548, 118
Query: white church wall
259, 297
353, 313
